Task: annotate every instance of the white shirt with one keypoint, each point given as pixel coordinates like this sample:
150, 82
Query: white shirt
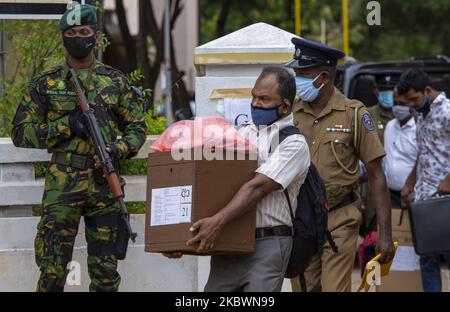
433, 138
400, 144
287, 165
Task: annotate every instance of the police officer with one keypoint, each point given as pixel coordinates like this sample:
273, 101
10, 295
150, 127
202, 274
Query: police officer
383, 89
48, 117
339, 133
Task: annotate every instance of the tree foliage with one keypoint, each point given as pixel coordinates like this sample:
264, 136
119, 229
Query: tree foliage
36, 46
408, 28
146, 51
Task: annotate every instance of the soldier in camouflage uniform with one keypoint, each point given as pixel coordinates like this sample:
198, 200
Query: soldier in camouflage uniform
48, 117
381, 114
384, 91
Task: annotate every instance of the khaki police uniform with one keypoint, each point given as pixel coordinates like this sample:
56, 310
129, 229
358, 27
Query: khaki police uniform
336, 151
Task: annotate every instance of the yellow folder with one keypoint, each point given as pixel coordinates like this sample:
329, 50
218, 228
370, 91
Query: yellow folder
371, 265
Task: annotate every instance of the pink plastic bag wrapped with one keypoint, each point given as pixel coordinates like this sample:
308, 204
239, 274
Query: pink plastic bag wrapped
213, 133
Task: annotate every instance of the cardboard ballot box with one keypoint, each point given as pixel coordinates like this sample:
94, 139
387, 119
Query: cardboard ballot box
179, 193
404, 275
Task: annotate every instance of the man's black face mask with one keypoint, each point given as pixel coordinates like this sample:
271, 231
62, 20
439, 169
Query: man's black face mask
79, 47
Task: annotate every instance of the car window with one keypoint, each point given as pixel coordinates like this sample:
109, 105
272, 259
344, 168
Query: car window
441, 82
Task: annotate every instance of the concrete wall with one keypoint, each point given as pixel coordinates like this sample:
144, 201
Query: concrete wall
140, 271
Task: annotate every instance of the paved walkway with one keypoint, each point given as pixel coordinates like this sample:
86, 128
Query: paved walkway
356, 281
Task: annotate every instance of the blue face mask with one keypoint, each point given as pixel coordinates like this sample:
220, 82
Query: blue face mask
264, 116
306, 90
386, 98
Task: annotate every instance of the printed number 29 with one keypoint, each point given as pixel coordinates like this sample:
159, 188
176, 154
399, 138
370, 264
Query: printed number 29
185, 193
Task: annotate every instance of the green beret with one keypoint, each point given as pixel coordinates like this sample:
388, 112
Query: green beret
88, 16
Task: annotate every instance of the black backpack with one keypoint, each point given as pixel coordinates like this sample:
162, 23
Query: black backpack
310, 221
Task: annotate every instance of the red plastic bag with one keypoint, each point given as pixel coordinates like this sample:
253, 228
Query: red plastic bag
204, 132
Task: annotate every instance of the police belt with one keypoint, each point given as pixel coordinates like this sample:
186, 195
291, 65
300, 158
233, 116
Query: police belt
79, 162
348, 199
280, 230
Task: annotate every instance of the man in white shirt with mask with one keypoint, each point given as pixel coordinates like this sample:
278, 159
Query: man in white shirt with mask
401, 148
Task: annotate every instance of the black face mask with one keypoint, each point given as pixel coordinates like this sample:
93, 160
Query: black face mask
425, 107
79, 47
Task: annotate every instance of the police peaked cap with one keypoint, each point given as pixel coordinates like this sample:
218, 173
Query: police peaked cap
387, 78
310, 53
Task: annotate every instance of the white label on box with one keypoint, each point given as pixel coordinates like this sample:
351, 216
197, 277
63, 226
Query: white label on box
238, 111
171, 205
406, 259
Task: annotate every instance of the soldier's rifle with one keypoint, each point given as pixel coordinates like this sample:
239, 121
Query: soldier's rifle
105, 158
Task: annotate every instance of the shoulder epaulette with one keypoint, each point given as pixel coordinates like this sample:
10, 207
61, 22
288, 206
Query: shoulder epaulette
52, 70
47, 72
34, 82
355, 104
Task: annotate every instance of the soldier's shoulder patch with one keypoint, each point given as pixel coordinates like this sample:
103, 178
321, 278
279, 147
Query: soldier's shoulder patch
368, 122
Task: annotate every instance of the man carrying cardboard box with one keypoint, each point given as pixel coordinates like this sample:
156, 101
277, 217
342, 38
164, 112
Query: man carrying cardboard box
284, 169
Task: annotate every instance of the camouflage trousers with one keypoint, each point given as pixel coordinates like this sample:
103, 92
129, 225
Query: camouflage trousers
68, 195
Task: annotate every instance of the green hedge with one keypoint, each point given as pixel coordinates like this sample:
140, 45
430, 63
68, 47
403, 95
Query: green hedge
133, 207
127, 167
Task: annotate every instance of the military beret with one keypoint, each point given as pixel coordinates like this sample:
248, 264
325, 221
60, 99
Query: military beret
88, 16
310, 53
387, 78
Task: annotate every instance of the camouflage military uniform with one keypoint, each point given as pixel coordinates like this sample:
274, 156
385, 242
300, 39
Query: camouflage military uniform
42, 121
381, 119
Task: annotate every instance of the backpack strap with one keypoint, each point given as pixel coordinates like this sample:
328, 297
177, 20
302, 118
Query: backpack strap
283, 134
286, 194
288, 131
